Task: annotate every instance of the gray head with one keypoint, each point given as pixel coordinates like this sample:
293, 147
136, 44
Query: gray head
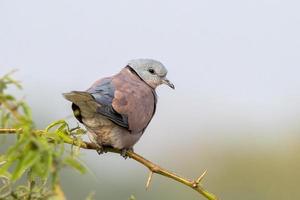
151, 71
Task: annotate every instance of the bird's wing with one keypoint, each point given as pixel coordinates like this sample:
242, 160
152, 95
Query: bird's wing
103, 92
124, 99
134, 99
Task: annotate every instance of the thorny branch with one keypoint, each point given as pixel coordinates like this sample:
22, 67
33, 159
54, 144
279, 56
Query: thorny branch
154, 168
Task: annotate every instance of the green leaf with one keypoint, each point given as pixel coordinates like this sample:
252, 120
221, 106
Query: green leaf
37, 170
5, 119
70, 161
56, 123
26, 109
4, 167
79, 131
25, 163
9, 97
9, 80
47, 160
3, 86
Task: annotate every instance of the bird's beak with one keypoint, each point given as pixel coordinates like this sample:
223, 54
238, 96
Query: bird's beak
168, 83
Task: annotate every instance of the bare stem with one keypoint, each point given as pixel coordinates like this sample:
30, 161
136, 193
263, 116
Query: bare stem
9, 131
154, 168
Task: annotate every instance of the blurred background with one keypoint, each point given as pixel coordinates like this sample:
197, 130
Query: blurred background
235, 110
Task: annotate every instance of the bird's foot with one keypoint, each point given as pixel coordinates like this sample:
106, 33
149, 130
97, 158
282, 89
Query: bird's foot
100, 149
124, 152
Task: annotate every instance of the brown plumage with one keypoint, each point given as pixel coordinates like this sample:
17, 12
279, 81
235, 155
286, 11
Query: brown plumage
116, 110
135, 99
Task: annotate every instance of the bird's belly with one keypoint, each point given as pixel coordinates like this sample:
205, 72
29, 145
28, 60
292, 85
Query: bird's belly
106, 133
121, 138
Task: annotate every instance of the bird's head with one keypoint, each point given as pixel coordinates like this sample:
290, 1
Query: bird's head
151, 71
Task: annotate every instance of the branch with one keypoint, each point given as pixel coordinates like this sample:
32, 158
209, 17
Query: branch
154, 168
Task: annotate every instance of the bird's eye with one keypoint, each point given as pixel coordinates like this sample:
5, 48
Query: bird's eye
151, 71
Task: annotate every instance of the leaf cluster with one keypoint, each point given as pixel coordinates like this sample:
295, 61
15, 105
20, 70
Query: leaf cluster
34, 161
13, 112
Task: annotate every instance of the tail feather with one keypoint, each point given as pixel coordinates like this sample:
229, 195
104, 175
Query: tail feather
84, 105
77, 96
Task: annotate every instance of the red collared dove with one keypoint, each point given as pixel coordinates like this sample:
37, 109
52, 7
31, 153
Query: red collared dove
116, 110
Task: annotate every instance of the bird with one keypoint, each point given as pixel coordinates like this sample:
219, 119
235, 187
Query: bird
116, 110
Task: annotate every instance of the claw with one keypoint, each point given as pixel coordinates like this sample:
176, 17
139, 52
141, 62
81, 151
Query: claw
124, 152
100, 150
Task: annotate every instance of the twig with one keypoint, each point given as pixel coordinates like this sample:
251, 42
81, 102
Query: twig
10, 130
154, 168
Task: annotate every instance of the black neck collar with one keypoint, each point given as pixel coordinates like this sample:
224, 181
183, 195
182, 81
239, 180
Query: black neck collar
134, 72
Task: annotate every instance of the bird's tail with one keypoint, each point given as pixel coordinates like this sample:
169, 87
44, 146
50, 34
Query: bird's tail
77, 96
84, 104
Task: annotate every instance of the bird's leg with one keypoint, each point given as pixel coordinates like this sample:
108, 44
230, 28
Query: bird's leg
124, 152
100, 150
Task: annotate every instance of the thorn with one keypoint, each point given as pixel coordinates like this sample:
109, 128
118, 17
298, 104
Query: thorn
149, 180
201, 177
